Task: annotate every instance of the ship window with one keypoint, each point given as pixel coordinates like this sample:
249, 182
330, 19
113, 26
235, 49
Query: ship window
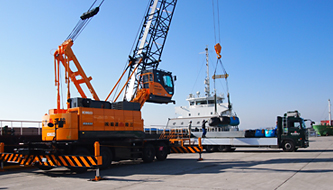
201, 102
210, 101
106, 123
198, 113
191, 103
211, 113
111, 124
116, 123
198, 122
174, 123
189, 114
182, 123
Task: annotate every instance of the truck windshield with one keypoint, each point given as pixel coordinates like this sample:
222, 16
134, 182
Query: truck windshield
303, 125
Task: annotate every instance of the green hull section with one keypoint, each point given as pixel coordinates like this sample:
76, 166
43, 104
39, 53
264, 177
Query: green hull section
323, 130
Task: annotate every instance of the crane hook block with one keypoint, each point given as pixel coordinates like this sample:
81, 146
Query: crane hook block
89, 14
218, 50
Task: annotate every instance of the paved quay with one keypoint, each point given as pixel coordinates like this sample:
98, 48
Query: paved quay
246, 168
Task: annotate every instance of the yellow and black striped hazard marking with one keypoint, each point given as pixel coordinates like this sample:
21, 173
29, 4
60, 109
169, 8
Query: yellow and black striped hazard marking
17, 158
186, 149
52, 160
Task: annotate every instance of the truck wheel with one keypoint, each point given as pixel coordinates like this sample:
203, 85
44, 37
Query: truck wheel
210, 148
148, 153
80, 152
161, 152
224, 148
288, 146
106, 157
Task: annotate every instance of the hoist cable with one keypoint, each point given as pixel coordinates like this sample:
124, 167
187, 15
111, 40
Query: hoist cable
84, 20
218, 20
224, 72
139, 29
214, 20
92, 5
197, 77
83, 27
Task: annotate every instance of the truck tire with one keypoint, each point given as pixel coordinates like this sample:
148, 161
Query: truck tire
161, 152
106, 154
288, 146
80, 152
148, 153
224, 148
210, 148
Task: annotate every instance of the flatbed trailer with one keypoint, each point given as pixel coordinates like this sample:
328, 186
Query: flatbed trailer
291, 134
242, 142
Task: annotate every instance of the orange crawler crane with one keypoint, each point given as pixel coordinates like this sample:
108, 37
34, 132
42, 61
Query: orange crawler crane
118, 126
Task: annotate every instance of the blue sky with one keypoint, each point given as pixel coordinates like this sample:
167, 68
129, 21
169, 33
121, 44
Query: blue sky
279, 54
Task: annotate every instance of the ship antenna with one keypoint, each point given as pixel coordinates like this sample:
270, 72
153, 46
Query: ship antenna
329, 112
207, 82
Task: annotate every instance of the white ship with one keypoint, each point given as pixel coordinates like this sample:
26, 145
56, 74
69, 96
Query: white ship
211, 107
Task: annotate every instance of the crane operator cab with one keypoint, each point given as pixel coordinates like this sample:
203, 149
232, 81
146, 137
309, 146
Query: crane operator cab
160, 85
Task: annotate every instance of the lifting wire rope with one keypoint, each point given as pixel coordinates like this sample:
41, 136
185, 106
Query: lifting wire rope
132, 48
81, 24
218, 49
84, 21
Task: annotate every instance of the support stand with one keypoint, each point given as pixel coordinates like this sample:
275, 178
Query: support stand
2, 150
97, 177
201, 148
200, 158
97, 155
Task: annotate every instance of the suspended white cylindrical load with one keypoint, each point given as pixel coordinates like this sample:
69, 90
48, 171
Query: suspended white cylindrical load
130, 90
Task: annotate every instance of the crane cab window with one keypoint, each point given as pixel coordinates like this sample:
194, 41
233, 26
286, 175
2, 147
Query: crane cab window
167, 81
146, 78
158, 77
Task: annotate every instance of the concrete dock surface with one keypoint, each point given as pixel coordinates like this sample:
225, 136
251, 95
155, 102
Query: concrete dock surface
246, 168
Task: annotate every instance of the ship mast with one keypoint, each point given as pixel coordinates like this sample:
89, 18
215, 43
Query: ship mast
329, 112
207, 82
